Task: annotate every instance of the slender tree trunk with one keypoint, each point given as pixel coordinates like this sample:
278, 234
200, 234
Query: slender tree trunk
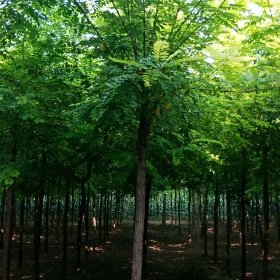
14, 216
109, 224
163, 220
47, 223
3, 202
175, 205
145, 243
205, 218
140, 199
37, 234
27, 214
52, 211
171, 208
194, 204
196, 214
224, 208
105, 219
189, 214
38, 219
179, 209
65, 228
243, 219
87, 222
252, 222
72, 210
259, 229
21, 224
266, 212
8, 234
216, 220
58, 216
100, 215
79, 228
278, 214
228, 231
117, 211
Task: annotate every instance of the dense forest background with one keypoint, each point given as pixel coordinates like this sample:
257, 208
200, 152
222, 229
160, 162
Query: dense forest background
123, 108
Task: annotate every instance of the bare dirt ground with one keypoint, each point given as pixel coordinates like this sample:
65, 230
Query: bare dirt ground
169, 255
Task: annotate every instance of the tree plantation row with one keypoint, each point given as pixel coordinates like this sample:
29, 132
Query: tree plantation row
102, 100
90, 217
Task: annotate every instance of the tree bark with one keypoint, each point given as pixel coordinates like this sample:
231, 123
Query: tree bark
278, 214
21, 224
58, 216
79, 228
47, 223
216, 220
228, 231
100, 215
140, 199
205, 218
87, 222
38, 219
179, 209
3, 202
8, 234
189, 214
145, 243
252, 222
266, 212
171, 208
65, 227
243, 220
163, 220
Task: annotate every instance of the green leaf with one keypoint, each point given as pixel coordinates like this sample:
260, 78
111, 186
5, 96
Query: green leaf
161, 50
8, 175
128, 62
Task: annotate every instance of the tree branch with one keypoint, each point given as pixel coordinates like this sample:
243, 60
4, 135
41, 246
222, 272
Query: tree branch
133, 40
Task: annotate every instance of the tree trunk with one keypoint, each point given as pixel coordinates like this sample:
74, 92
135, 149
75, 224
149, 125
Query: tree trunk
266, 212
65, 228
105, 215
205, 218
171, 208
87, 222
21, 224
8, 234
58, 216
216, 220
145, 242
117, 211
79, 228
278, 214
72, 210
47, 223
243, 220
140, 199
38, 219
175, 205
163, 220
189, 214
3, 202
179, 208
259, 224
228, 231
37, 233
252, 222
100, 215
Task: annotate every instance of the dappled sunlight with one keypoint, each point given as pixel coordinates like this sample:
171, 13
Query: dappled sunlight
155, 248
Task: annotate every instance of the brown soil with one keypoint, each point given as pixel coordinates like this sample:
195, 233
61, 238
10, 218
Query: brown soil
169, 255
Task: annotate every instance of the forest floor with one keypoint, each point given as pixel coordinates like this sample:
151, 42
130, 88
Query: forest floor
169, 255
